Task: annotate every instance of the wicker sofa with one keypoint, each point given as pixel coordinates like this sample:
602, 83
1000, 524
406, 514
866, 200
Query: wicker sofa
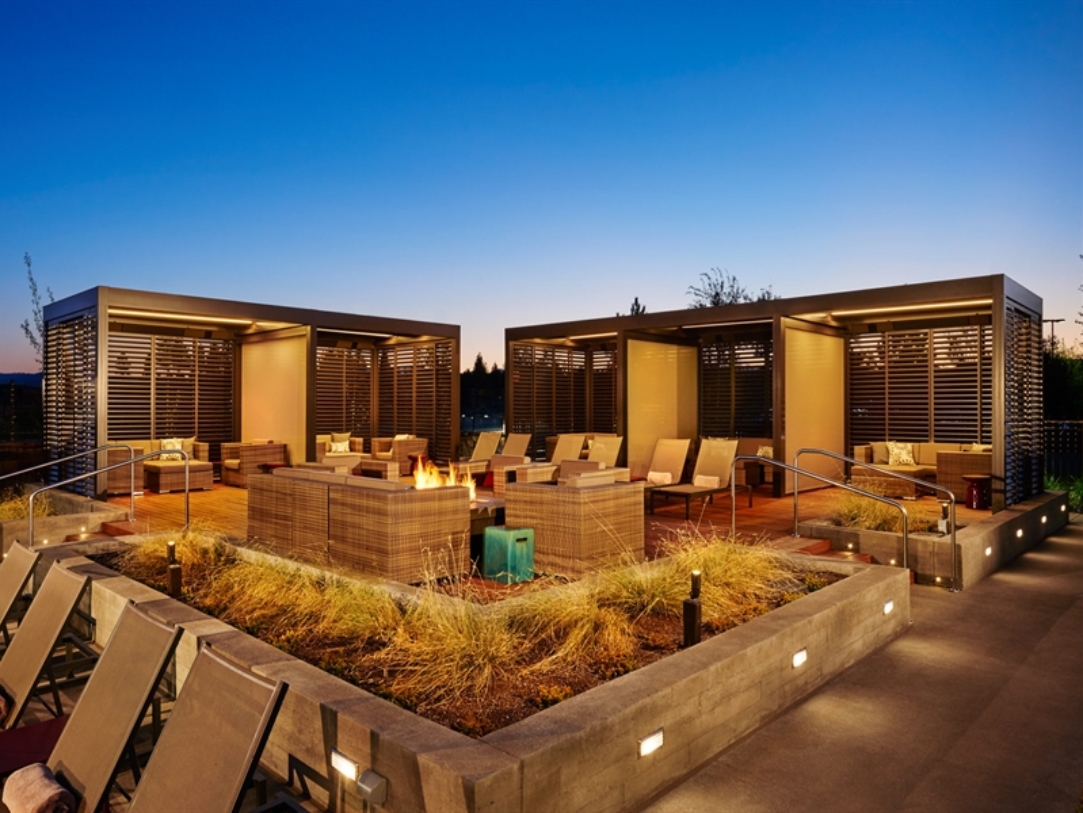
941, 463
368, 525
155, 473
398, 449
241, 460
577, 529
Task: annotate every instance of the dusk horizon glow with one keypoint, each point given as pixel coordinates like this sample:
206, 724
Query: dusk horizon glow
495, 165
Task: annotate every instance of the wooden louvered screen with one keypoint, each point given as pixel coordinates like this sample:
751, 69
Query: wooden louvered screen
736, 386
548, 392
70, 398
170, 387
1022, 406
921, 385
414, 393
344, 390
603, 390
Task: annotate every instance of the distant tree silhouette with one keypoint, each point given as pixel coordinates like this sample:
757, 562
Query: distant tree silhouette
636, 310
35, 334
719, 287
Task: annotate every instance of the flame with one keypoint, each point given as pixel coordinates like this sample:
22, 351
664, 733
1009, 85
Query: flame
428, 476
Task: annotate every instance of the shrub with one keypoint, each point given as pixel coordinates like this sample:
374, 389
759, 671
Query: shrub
14, 505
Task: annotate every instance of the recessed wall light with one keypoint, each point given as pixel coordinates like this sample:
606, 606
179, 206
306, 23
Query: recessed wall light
989, 551
1043, 519
799, 657
889, 605
652, 742
344, 765
1019, 534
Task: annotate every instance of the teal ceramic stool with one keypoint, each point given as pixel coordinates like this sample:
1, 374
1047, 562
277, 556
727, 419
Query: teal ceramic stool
509, 554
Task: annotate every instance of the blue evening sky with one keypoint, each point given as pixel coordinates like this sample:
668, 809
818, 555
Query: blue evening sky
513, 163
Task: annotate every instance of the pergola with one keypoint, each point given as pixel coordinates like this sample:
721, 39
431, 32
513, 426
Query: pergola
124, 364
952, 361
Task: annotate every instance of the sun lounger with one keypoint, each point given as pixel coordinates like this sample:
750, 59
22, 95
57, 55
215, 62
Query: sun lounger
667, 462
84, 753
605, 448
711, 476
484, 449
31, 648
211, 741
568, 448
516, 443
15, 570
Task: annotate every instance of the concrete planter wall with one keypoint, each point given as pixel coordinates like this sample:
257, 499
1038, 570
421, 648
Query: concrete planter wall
983, 547
580, 755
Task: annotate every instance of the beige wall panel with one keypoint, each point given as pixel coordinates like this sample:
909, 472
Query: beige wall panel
662, 398
815, 401
273, 376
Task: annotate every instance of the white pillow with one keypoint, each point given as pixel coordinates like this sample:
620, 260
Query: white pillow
900, 454
765, 451
659, 478
171, 443
338, 448
706, 481
403, 437
981, 447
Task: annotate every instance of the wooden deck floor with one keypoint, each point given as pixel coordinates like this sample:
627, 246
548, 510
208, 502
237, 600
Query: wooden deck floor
225, 509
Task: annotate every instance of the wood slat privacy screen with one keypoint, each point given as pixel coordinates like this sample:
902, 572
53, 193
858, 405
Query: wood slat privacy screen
736, 386
933, 384
603, 390
414, 393
70, 398
344, 390
549, 392
1023, 467
168, 386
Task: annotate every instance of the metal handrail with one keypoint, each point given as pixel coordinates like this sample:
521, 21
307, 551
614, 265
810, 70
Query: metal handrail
130, 462
187, 463
898, 476
815, 476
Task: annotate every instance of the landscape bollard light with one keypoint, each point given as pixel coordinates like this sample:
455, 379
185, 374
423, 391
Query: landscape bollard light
174, 570
693, 613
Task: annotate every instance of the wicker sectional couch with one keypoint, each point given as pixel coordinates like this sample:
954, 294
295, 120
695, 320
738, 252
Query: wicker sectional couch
940, 463
367, 525
157, 474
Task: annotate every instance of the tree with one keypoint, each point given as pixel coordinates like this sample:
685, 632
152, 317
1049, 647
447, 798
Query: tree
637, 309
719, 287
35, 334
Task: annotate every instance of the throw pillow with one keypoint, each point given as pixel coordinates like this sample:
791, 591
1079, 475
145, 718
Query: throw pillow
340, 437
765, 451
981, 447
339, 448
706, 481
403, 437
900, 454
171, 443
659, 478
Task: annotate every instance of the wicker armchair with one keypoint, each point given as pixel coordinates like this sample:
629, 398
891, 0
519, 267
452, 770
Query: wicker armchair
400, 450
118, 480
242, 459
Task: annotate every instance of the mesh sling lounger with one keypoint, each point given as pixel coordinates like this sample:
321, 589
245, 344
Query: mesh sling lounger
211, 741
84, 753
606, 449
15, 570
484, 449
669, 457
39, 633
516, 443
715, 459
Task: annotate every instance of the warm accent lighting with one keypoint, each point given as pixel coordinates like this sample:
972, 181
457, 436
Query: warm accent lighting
592, 336
989, 550
967, 303
1019, 534
179, 317
849, 546
651, 743
799, 657
1043, 519
344, 765
889, 605
1063, 507
892, 562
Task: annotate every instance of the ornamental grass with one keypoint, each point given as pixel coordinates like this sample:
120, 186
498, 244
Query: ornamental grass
16, 505
430, 650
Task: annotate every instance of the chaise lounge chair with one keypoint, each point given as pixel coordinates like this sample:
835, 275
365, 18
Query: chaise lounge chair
28, 655
516, 443
667, 462
605, 448
484, 449
83, 750
15, 570
714, 464
212, 740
